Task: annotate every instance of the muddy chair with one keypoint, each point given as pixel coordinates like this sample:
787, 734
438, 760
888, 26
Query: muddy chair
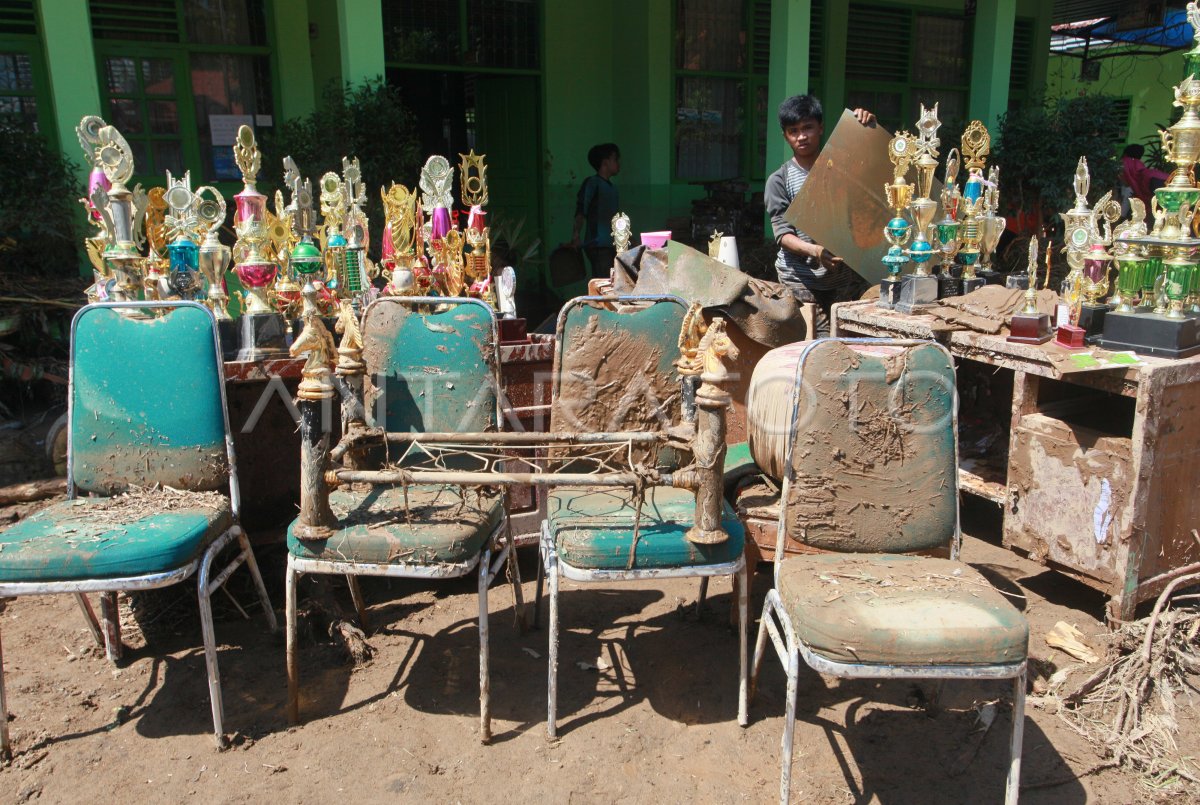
431, 365
614, 371
146, 407
871, 478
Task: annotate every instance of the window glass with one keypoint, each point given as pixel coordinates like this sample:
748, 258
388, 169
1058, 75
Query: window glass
708, 127
120, 76
126, 116
942, 57
20, 109
710, 35
225, 22
422, 31
503, 33
159, 76
16, 71
164, 117
229, 85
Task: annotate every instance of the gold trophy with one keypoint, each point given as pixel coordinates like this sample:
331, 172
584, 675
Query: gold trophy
254, 268
214, 255
118, 211
976, 145
919, 289
898, 229
1027, 326
621, 232
401, 253
949, 228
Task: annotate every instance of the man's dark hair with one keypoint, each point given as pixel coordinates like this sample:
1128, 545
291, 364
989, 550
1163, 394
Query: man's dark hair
599, 153
1135, 150
799, 108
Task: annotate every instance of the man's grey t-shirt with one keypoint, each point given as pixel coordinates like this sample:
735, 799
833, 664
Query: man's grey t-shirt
793, 269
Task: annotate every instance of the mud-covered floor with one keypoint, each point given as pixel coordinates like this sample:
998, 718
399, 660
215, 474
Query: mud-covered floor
647, 704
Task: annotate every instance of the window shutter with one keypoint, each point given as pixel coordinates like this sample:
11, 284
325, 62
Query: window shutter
147, 20
17, 17
1022, 58
877, 49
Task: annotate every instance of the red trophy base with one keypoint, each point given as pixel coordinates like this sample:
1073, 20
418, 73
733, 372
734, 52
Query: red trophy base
1029, 328
1070, 337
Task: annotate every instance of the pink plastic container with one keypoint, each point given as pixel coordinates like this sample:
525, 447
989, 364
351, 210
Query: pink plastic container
655, 240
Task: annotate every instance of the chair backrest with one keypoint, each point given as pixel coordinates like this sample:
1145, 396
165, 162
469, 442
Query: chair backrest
614, 369
872, 462
147, 399
432, 365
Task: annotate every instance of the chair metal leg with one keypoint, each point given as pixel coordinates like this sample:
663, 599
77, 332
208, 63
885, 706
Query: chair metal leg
537, 589
5, 743
360, 605
789, 725
252, 564
485, 705
293, 672
210, 643
89, 615
110, 617
760, 645
552, 681
741, 581
1013, 789
703, 595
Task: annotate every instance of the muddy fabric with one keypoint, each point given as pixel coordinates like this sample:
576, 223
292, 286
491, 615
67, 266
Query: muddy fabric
593, 529
738, 463
873, 452
73, 540
767, 312
900, 610
988, 309
373, 527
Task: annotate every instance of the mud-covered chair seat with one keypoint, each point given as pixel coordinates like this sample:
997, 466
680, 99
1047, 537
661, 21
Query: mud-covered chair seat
436, 525
593, 529
100, 538
870, 478
885, 609
152, 495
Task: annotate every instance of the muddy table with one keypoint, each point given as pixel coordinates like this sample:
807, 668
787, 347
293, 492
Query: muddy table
266, 440
1093, 470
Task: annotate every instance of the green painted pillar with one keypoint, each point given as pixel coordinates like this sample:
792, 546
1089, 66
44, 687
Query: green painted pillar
992, 60
293, 58
833, 69
360, 37
790, 22
66, 31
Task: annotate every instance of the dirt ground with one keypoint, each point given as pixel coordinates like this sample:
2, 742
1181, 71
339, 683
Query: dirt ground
656, 720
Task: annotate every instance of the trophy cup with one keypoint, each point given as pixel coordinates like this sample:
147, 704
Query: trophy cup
898, 230
214, 255
948, 229
622, 231
333, 211
116, 207
976, 145
88, 132
1027, 326
920, 288
1191, 59
262, 328
437, 178
156, 263
991, 228
354, 283
401, 249
477, 249
306, 263
183, 227
1130, 258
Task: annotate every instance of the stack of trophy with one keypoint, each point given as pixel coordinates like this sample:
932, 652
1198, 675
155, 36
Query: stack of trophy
165, 243
965, 236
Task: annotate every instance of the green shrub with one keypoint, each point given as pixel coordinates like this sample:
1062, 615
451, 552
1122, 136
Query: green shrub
40, 218
1039, 145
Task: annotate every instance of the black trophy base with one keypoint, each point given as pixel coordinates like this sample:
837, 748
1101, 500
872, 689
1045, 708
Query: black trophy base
917, 293
948, 286
1029, 328
970, 284
228, 333
1152, 334
1017, 282
992, 277
1091, 319
889, 293
264, 335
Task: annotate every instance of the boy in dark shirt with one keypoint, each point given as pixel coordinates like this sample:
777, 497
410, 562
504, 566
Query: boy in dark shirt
595, 206
812, 270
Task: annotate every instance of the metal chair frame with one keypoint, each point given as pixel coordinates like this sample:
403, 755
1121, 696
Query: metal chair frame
554, 567
207, 583
488, 567
777, 623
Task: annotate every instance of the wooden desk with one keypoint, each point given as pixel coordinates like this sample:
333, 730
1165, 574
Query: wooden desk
1094, 470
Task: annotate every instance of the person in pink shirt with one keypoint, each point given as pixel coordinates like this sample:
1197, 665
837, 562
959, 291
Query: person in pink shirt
1142, 180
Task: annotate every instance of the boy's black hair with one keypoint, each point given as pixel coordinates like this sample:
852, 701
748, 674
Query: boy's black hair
598, 153
1135, 150
799, 108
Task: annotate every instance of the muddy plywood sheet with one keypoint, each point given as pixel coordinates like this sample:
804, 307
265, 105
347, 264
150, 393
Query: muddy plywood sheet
873, 453
842, 204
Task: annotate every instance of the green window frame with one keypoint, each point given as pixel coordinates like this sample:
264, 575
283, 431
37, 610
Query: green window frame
149, 35
23, 76
705, 99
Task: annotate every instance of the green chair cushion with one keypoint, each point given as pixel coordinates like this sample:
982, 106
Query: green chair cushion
441, 527
738, 464
889, 609
95, 538
593, 529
